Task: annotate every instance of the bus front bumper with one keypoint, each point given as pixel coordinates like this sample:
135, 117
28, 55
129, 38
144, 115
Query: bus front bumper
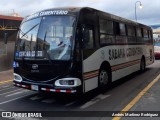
46, 88
64, 85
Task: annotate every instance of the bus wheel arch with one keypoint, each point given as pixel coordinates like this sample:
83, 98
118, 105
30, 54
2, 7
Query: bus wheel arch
104, 76
143, 64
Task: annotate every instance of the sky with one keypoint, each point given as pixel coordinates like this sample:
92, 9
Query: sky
149, 14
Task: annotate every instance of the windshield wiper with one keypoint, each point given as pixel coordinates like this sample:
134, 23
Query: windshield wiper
24, 34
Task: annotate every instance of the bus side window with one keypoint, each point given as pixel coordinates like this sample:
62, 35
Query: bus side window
139, 35
117, 29
120, 30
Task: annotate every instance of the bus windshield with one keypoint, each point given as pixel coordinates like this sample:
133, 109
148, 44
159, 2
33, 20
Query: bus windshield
47, 37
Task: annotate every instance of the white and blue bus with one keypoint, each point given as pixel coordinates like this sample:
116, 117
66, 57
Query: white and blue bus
75, 50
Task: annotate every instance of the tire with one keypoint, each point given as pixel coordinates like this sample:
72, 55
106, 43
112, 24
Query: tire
142, 65
104, 79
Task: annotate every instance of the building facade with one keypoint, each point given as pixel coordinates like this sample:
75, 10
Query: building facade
9, 26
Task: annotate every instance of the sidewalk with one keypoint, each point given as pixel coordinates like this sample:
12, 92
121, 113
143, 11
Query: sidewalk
6, 75
148, 106
150, 101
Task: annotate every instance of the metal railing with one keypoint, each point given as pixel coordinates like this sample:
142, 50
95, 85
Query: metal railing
9, 13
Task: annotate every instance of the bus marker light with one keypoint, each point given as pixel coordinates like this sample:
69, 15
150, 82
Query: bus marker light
58, 90
24, 86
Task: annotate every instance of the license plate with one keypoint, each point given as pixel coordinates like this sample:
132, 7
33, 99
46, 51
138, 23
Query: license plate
34, 87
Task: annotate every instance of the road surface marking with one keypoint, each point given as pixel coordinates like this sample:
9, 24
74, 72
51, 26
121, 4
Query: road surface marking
94, 100
6, 81
11, 91
6, 88
13, 99
14, 94
17, 93
137, 98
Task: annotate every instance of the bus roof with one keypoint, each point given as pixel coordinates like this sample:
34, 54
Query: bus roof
76, 11
55, 11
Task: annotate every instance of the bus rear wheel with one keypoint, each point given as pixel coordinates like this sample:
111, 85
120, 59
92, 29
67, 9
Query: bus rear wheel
142, 65
104, 79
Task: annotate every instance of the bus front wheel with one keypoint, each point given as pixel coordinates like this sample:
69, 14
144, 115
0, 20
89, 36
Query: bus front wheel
104, 79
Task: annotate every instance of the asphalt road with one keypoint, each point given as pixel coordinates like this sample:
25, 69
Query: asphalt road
114, 99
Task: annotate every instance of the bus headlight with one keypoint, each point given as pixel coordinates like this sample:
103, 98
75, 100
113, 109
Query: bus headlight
17, 77
66, 82
70, 82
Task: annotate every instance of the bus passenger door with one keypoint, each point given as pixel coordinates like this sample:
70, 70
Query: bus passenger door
89, 73
88, 41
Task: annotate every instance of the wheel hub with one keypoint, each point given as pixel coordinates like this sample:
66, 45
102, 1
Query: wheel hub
103, 77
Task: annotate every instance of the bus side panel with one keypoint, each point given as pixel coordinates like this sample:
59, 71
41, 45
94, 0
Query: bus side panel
124, 72
91, 67
91, 84
124, 60
131, 62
